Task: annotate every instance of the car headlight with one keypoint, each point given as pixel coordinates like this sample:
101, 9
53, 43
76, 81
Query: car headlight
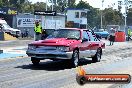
63, 48
31, 47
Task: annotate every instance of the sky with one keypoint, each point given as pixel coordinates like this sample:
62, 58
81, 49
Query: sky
94, 3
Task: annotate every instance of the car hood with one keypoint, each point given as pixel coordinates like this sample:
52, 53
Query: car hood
56, 42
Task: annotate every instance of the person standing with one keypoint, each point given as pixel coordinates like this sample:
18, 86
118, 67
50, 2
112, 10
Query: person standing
27, 33
22, 33
38, 31
44, 34
129, 34
112, 36
1, 28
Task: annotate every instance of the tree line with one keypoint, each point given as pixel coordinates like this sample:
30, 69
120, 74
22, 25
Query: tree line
110, 16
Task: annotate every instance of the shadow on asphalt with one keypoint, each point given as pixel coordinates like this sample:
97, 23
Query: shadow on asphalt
53, 65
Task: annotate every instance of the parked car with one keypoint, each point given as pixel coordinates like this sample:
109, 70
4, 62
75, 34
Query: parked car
102, 33
69, 44
7, 29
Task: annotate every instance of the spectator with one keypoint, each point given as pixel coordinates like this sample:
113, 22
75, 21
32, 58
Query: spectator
44, 34
129, 34
26, 33
1, 28
112, 36
38, 31
22, 33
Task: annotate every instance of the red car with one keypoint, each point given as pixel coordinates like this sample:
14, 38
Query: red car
70, 44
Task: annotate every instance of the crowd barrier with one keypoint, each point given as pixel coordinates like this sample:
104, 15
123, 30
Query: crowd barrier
120, 37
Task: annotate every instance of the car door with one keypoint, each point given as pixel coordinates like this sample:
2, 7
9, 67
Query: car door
94, 43
85, 45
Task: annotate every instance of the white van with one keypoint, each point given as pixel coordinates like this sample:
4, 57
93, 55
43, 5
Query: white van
7, 29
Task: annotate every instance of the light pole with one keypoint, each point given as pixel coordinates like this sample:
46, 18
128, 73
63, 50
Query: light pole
45, 16
126, 3
125, 15
46, 5
102, 15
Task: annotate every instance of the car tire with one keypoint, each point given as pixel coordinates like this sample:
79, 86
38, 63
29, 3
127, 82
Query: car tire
75, 58
16, 36
35, 61
105, 38
97, 56
81, 80
100, 37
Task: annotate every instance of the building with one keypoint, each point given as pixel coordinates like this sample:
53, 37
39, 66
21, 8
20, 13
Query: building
26, 21
78, 17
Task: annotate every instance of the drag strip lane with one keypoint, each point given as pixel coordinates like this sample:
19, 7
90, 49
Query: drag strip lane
20, 73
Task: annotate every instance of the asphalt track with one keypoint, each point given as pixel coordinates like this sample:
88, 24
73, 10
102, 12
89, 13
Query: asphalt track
20, 73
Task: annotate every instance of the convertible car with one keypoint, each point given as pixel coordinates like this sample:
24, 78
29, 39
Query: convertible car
68, 44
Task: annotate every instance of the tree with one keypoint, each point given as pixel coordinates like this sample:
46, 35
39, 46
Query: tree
4, 3
129, 17
1, 3
71, 3
27, 7
62, 2
18, 4
112, 17
15, 2
40, 6
61, 5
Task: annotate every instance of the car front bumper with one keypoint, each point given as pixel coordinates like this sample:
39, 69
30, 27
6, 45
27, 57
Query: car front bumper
49, 54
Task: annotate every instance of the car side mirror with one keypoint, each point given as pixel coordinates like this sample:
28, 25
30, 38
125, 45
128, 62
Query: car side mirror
84, 40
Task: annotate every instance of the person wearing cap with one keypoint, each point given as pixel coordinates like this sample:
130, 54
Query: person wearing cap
38, 31
112, 36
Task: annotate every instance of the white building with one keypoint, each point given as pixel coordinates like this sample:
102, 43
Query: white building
78, 16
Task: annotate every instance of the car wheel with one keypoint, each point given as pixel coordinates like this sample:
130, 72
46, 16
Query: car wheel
81, 80
16, 36
97, 56
75, 58
35, 61
100, 37
106, 38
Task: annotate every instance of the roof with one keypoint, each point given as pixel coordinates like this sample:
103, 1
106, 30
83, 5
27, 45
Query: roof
77, 9
59, 14
74, 28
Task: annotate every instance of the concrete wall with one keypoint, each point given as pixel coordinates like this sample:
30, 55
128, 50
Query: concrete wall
1, 35
31, 29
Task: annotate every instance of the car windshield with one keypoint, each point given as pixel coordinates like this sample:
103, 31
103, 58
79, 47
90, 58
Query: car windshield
6, 26
65, 33
99, 30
